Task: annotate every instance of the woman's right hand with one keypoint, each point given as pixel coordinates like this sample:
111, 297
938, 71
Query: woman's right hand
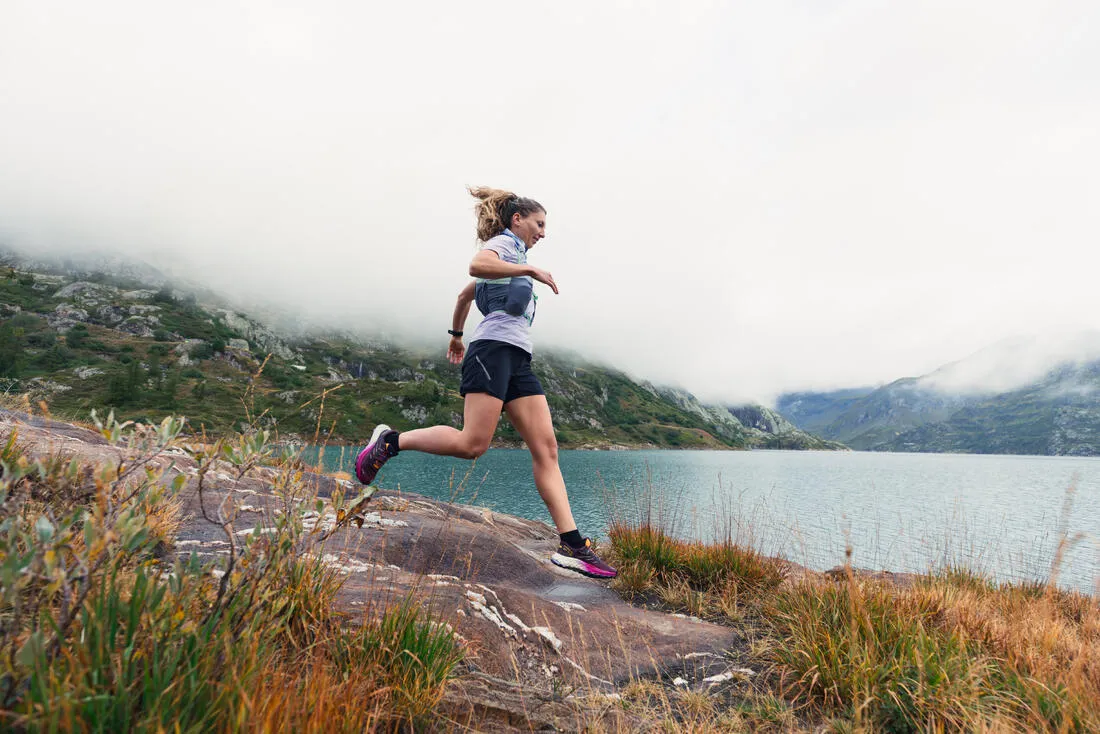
456, 350
543, 276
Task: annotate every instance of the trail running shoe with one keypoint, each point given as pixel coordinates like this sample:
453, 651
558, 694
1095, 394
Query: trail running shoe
371, 459
583, 560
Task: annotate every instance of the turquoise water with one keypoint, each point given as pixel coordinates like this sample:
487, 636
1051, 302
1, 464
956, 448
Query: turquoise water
1002, 515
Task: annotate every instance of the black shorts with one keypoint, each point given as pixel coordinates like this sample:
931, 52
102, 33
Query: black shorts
503, 370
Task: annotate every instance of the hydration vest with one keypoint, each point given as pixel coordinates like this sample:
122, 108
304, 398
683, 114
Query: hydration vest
509, 295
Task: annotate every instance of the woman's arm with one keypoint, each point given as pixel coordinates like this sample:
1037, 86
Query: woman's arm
456, 349
462, 306
488, 265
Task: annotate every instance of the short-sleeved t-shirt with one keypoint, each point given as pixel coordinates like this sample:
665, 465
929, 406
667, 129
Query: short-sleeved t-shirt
498, 324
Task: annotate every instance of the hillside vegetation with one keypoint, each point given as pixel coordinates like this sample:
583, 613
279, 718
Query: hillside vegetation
82, 341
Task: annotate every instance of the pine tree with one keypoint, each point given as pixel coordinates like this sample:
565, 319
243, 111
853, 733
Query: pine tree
11, 352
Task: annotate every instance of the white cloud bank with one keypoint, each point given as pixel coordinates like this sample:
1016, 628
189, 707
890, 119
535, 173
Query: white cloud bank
743, 198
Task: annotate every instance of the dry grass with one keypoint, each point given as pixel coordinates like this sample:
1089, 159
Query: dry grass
709, 581
953, 651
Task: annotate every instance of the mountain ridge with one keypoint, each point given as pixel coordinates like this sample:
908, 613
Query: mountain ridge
1048, 406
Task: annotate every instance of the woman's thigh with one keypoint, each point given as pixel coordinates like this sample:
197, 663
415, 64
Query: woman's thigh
481, 413
531, 417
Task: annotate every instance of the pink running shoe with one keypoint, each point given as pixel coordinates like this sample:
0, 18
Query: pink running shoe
583, 560
376, 453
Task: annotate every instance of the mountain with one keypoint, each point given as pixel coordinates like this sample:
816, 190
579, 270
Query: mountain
1057, 415
766, 427
1036, 395
814, 412
81, 336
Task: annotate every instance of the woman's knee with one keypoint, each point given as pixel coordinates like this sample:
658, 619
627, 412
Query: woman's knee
545, 450
474, 446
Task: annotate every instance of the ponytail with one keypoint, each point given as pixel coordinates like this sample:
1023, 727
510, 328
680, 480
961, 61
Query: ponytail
496, 207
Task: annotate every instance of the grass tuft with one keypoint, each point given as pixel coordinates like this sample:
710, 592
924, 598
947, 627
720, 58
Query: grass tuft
704, 580
950, 652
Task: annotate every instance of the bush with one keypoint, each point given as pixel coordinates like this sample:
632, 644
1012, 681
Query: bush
201, 351
57, 357
167, 393
77, 336
164, 295
11, 351
161, 335
42, 339
24, 321
124, 387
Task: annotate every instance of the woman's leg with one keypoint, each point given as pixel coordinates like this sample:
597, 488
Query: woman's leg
482, 413
531, 417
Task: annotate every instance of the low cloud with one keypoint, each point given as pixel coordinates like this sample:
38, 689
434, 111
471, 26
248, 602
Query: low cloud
1015, 362
742, 199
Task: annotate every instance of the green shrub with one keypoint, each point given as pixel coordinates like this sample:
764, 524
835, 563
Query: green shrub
42, 339
124, 386
164, 295
77, 336
57, 357
201, 351
11, 351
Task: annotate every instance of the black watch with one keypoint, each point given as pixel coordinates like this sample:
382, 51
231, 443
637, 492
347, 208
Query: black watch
452, 332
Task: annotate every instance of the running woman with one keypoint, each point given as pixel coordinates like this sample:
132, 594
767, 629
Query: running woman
496, 370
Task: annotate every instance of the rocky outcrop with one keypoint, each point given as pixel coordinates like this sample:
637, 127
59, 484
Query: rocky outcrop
727, 423
761, 419
264, 338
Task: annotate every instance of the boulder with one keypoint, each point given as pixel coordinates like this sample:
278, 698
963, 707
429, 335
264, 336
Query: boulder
111, 314
139, 325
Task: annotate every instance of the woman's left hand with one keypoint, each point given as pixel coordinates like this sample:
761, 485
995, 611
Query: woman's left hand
456, 350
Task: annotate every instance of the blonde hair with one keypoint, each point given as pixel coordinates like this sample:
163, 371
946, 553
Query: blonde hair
496, 207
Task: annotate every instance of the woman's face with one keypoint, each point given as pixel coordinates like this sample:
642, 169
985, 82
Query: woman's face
531, 228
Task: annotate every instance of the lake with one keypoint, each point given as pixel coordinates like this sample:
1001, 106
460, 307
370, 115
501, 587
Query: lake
1000, 515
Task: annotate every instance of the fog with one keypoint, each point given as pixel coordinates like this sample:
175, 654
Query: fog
742, 198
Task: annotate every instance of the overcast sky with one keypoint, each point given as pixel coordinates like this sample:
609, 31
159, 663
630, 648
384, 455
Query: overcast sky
742, 198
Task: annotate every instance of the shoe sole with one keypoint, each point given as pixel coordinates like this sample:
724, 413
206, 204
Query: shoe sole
572, 564
380, 430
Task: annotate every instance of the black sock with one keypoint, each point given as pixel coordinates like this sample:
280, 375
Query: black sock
391, 442
573, 539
